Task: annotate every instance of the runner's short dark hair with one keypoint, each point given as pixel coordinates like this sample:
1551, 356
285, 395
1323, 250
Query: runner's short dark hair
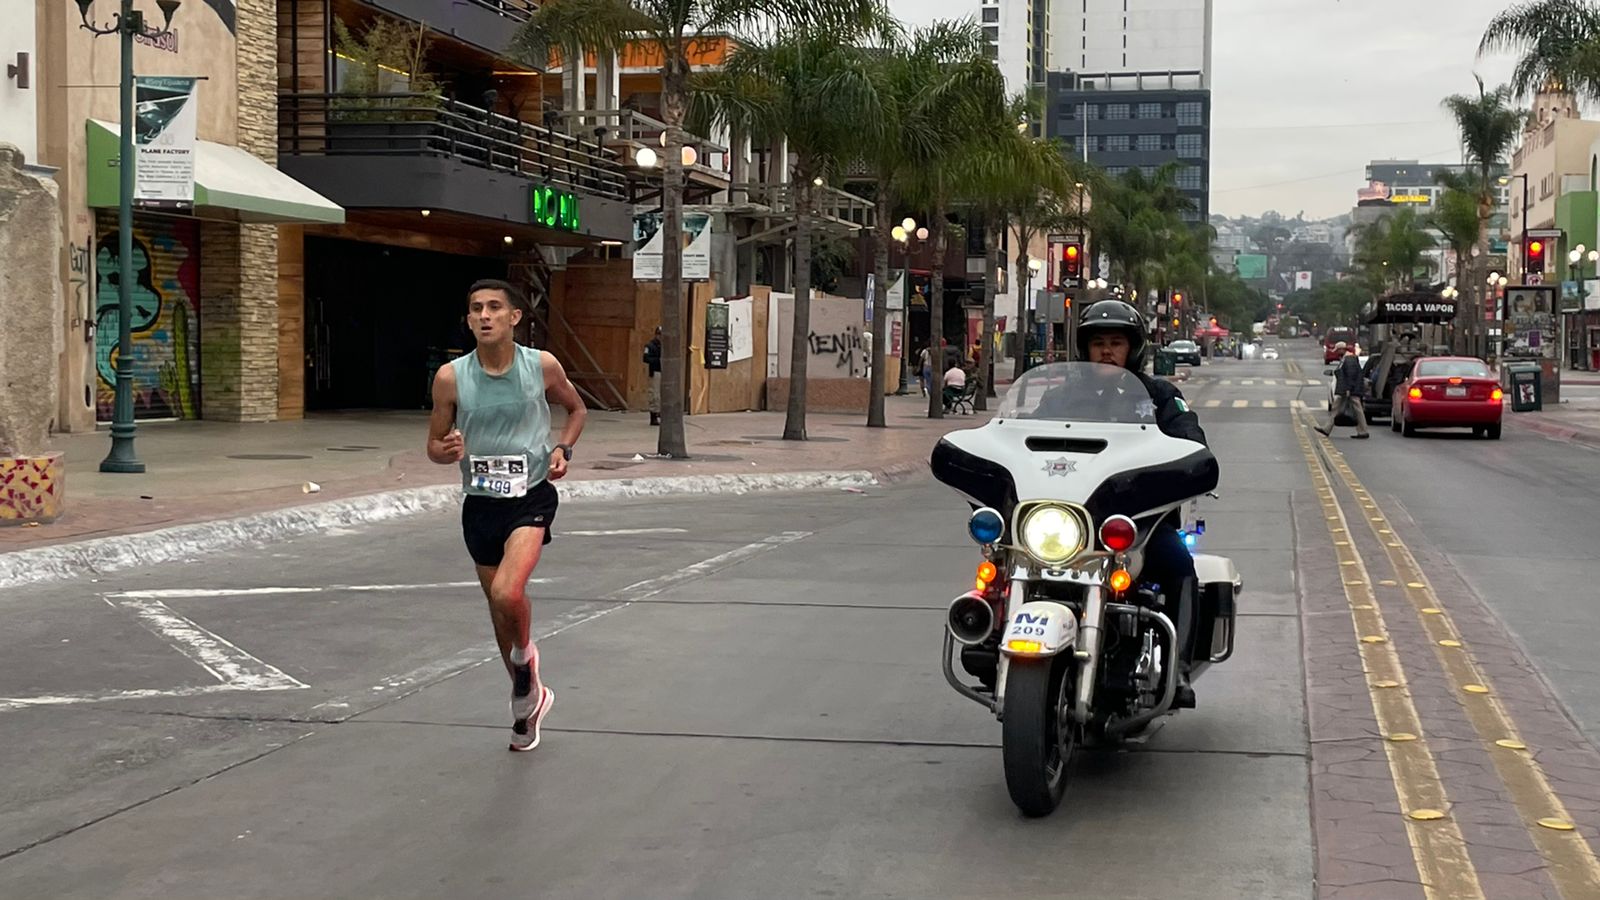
495, 284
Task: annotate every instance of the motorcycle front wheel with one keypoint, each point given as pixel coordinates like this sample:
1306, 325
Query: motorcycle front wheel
1037, 734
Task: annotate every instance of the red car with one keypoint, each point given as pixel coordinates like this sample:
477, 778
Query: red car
1448, 392
1331, 339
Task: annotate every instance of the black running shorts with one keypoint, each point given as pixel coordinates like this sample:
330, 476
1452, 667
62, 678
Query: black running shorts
486, 522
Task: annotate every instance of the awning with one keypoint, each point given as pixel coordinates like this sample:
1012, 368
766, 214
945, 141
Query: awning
229, 184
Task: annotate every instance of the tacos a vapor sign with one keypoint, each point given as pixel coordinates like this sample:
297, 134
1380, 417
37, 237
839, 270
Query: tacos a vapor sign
166, 115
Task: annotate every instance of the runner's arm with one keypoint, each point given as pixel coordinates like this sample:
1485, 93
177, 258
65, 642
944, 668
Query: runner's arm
559, 390
442, 439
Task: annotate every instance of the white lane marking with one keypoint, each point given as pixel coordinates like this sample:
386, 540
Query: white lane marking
11, 703
1248, 381
1269, 381
227, 663
197, 593
618, 532
1240, 404
1213, 404
652, 586
1297, 404
1269, 404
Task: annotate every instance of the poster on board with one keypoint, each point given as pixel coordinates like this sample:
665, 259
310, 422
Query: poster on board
741, 329
166, 116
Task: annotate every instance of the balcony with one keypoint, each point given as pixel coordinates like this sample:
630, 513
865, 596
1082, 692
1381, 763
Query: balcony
426, 152
487, 24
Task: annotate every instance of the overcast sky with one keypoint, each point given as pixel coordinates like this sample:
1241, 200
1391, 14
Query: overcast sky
1307, 92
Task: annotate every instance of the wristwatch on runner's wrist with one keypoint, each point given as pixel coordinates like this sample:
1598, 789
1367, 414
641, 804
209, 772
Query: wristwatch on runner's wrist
566, 451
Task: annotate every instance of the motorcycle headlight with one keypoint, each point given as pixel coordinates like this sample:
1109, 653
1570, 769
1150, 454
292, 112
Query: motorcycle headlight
1052, 534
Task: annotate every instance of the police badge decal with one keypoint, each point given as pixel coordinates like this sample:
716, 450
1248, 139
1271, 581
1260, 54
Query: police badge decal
1060, 466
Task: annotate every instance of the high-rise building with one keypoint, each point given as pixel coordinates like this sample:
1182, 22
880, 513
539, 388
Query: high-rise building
1124, 120
1031, 38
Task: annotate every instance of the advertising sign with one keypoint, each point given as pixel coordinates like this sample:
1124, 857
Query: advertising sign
717, 335
1530, 321
166, 114
647, 247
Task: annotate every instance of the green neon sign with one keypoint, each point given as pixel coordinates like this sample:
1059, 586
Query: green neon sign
555, 209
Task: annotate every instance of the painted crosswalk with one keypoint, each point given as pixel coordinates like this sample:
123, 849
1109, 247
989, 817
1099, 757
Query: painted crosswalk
1257, 382
1253, 404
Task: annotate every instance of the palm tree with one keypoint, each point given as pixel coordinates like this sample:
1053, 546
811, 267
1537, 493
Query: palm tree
1136, 218
668, 28
1456, 217
1559, 41
919, 78
967, 122
1488, 129
815, 88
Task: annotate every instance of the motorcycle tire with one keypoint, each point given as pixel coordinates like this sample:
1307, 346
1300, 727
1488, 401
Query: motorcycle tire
1035, 743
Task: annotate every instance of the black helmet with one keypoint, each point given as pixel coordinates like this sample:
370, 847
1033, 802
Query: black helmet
1114, 315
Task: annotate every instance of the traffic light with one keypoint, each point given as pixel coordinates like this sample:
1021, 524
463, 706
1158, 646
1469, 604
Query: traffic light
1177, 298
1534, 263
1174, 323
1071, 261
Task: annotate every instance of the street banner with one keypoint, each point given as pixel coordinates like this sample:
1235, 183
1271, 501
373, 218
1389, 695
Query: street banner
717, 335
647, 247
166, 116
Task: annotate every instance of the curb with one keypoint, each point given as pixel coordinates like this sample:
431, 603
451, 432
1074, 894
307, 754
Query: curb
101, 555
1560, 432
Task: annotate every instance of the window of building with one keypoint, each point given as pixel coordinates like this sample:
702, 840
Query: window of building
991, 14
1149, 110
1116, 110
991, 33
1189, 178
1091, 111
1148, 142
1116, 171
1148, 171
1190, 114
1189, 146
1116, 143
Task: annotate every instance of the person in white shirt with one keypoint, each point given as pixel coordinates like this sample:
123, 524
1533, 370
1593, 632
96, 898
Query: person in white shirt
955, 381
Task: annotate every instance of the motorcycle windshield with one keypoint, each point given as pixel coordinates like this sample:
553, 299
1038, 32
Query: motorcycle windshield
1079, 392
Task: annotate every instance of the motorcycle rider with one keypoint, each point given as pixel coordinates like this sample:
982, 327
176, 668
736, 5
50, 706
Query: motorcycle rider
1112, 333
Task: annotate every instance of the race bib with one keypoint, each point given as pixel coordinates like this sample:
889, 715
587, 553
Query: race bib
502, 476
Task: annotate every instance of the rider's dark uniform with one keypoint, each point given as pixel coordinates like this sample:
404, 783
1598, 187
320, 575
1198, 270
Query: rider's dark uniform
1167, 562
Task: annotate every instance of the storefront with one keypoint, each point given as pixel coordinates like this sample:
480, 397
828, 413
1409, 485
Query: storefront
188, 277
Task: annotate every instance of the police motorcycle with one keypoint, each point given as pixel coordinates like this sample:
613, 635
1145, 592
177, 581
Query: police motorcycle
1066, 642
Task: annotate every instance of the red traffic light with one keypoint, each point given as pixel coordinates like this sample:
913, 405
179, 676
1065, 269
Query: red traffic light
1535, 258
1177, 299
1071, 261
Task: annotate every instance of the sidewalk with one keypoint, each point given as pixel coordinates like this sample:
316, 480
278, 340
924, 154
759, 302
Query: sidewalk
203, 471
1576, 418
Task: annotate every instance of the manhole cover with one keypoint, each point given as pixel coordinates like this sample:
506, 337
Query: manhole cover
812, 439
267, 456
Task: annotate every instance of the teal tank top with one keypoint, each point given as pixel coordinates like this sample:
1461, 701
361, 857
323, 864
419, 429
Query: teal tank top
503, 415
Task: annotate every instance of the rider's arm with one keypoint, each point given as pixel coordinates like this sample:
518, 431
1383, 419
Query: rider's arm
1173, 415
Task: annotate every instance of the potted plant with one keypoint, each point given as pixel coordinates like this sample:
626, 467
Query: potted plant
386, 97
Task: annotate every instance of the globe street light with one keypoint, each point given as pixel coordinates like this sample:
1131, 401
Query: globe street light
127, 23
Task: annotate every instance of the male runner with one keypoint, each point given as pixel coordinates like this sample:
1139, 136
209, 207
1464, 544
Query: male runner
491, 414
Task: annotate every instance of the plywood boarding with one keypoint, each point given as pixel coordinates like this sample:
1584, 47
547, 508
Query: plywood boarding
737, 388
291, 323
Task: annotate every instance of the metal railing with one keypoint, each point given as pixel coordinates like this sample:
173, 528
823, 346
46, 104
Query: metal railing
629, 125
516, 10
411, 125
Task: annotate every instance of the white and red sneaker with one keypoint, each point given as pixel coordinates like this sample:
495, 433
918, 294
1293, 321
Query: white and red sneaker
525, 731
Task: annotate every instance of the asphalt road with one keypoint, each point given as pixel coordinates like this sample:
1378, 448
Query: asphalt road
321, 719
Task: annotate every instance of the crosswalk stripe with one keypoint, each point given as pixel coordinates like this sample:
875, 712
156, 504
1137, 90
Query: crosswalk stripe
1248, 381
1269, 404
1269, 381
1297, 404
1240, 404
1213, 404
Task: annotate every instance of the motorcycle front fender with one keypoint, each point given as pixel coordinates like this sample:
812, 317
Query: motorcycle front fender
1040, 628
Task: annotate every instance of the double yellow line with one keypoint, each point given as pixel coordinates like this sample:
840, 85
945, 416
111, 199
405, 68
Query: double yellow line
1437, 844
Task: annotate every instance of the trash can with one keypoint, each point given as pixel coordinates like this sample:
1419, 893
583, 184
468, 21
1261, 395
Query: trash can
1166, 362
1526, 385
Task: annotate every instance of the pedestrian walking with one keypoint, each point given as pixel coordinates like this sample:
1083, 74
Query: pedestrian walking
491, 416
652, 363
1349, 388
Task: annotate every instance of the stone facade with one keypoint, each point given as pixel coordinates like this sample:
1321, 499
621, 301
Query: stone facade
255, 313
30, 283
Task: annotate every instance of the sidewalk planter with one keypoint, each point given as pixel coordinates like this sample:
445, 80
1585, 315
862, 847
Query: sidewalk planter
32, 488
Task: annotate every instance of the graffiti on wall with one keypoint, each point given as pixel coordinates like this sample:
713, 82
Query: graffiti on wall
165, 323
846, 348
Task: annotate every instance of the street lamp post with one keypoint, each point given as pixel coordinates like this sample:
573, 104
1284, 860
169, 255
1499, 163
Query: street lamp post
127, 23
1034, 265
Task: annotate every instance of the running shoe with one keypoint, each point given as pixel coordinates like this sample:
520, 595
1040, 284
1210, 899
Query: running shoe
525, 731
